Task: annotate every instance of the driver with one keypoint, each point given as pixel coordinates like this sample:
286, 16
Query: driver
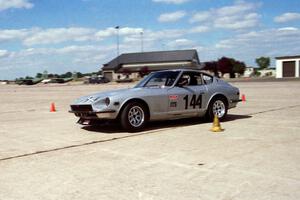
184, 81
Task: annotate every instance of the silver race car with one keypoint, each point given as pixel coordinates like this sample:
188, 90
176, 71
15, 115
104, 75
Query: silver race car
162, 95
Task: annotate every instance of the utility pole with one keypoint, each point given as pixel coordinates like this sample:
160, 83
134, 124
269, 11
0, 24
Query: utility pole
118, 42
142, 41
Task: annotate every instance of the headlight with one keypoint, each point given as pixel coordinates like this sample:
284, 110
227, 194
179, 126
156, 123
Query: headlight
107, 101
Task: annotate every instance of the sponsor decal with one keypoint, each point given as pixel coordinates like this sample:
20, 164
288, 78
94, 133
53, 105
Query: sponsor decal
173, 104
173, 97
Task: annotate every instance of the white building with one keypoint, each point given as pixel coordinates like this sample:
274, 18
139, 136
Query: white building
249, 71
288, 66
271, 71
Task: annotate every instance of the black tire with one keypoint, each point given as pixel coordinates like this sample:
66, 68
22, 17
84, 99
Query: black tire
130, 119
222, 113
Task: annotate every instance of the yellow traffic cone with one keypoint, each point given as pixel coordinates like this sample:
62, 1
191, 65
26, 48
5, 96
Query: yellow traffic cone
216, 125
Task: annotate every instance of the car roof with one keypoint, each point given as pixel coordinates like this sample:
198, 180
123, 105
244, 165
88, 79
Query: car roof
181, 70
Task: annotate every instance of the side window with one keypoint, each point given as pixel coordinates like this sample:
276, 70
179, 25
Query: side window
190, 79
157, 81
198, 78
207, 79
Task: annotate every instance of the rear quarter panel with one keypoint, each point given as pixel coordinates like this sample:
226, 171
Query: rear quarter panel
223, 88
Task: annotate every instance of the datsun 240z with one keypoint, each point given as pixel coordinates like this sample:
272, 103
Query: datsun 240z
162, 95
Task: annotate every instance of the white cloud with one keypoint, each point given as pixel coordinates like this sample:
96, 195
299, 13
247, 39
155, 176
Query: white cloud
201, 17
171, 17
237, 22
106, 33
8, 4
3, 53
288, 29
78, 57
271, 42
9, 35
181, 43
85, 58
238, 16
77, 49
164, 39
198, 29
124, 31
40, 52
171, 1
130, 31
286, 17
58, 35
239, 7
38, 36
163, 34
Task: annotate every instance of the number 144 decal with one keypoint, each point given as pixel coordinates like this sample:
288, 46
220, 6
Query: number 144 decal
195, 101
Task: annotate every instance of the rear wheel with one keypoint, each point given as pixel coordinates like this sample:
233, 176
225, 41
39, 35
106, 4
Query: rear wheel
134, 116
217, 106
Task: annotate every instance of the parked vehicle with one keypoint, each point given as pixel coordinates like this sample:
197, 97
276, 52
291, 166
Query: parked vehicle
96, 80
29, 81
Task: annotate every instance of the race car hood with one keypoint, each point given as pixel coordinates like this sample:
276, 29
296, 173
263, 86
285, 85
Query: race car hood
89, 99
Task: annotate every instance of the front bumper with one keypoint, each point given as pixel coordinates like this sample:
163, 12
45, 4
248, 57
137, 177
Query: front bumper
236, 101
233, 103
108, 114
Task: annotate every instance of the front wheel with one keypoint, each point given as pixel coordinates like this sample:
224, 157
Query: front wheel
134, 116
217, 107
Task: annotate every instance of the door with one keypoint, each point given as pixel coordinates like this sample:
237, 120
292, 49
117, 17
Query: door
288, 68
108, 75
186, 98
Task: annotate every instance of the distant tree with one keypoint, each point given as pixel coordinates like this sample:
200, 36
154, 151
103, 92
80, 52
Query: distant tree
66, 75
263, 62
230, 65
225, 65
28, 77
20, 78
212, 66
256, 72
39, 75
79, 75
99, 72
239, 67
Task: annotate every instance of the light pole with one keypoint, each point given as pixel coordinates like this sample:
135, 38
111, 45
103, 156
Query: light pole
118, 50
142, 41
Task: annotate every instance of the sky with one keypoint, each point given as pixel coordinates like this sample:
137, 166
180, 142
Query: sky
80, 35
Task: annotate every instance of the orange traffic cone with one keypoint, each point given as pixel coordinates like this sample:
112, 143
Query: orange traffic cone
52, 107
243, 98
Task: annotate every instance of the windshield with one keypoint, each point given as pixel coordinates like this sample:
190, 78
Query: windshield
159, 79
